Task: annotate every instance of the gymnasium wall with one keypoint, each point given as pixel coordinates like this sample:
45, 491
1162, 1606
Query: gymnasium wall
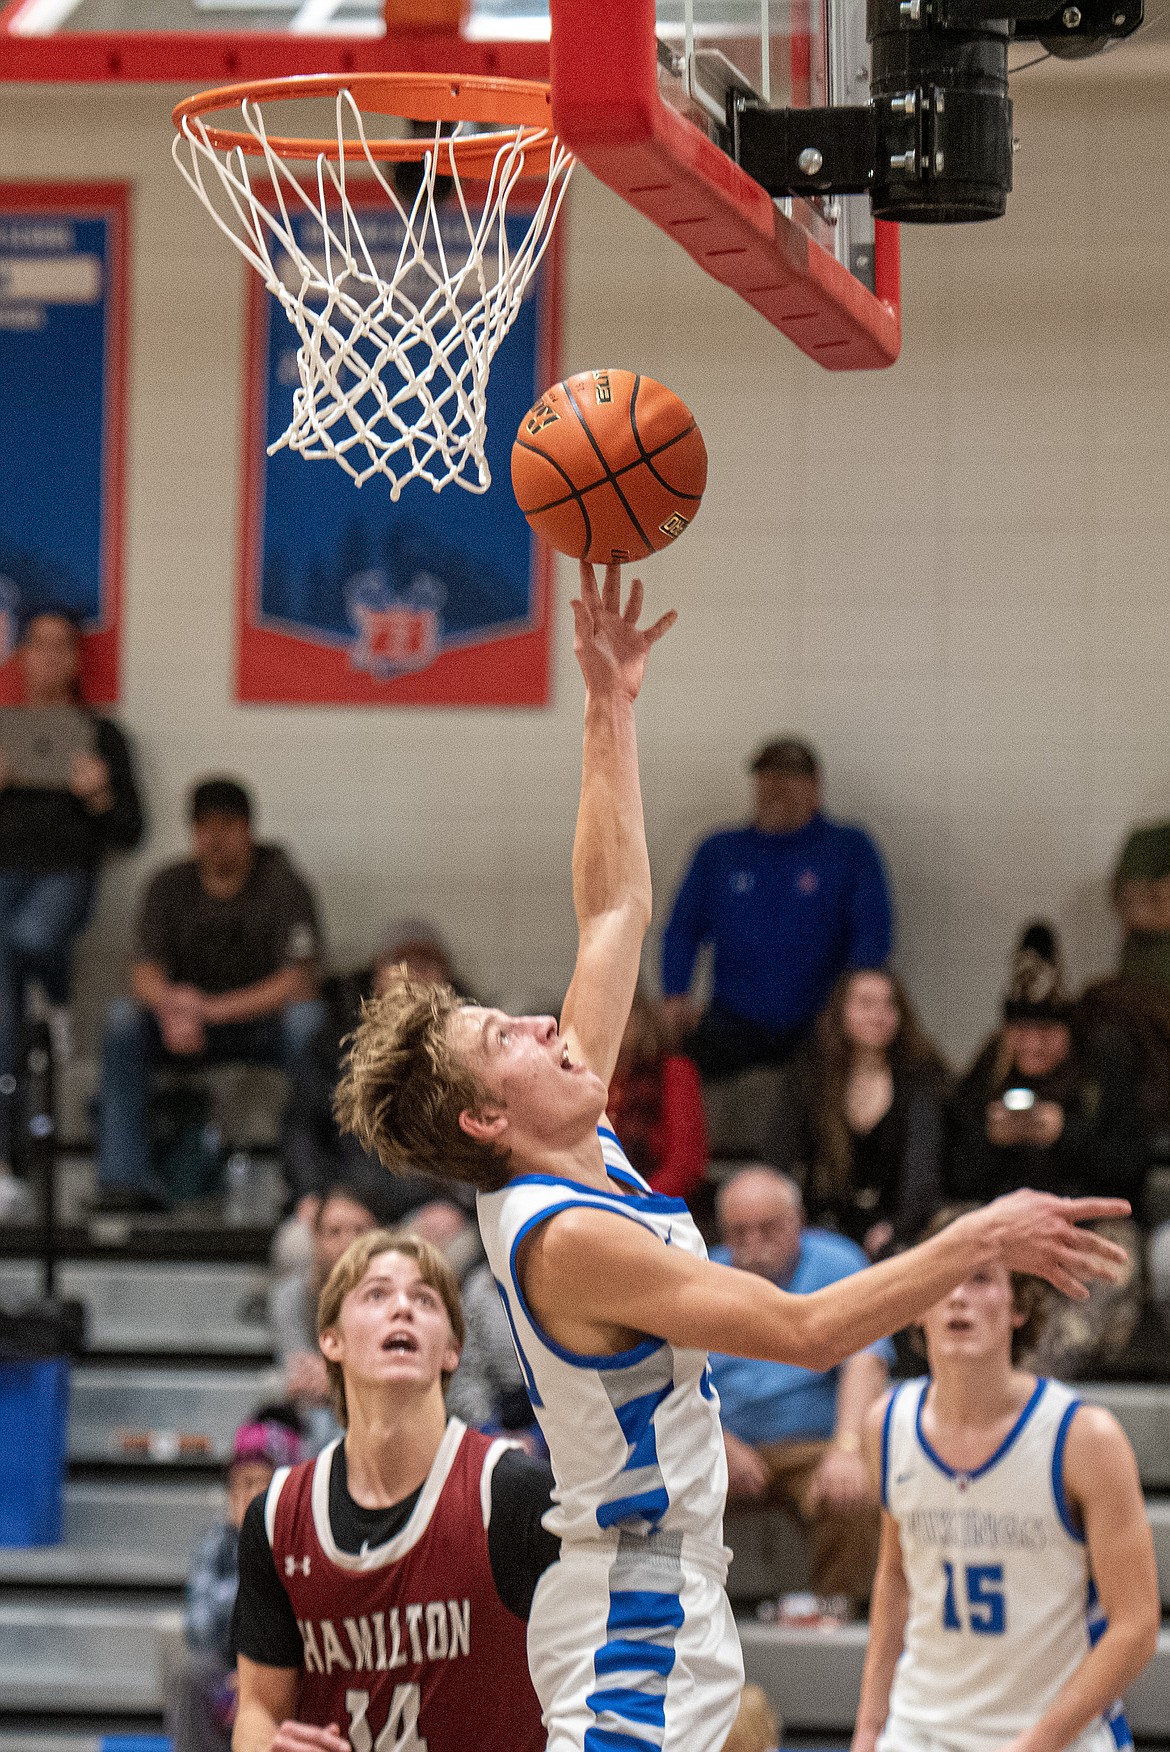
952, 576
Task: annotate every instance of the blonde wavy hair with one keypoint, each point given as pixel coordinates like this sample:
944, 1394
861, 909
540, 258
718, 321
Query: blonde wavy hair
403, 1087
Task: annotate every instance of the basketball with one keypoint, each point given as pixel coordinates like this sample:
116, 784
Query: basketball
609, 465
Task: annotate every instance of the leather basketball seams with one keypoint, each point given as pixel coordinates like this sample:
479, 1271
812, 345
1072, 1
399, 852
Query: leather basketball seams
609, 465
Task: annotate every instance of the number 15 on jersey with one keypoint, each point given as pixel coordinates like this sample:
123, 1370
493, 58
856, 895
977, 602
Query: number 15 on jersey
976, 1591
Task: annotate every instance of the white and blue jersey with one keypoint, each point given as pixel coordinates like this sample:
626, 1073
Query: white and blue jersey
631, 1641
1002, 1606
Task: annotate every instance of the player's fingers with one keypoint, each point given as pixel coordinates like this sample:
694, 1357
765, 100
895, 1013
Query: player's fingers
634, 605
590, 594
1096, 1253
582, 619
664, 625
1064, 1281
1095, 1210
611, 594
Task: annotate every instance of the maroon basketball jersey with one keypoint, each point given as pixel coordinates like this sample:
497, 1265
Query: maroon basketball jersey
409, 1647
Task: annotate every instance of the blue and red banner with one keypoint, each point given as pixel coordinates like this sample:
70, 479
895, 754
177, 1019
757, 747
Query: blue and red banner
64, 300
348, 598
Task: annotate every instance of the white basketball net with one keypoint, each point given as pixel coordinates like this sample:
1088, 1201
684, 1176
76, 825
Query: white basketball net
397, 328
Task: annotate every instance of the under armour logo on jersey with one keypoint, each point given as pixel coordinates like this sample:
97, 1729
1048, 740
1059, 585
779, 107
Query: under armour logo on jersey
807, 882
903, 1478
742, 882
293, 1564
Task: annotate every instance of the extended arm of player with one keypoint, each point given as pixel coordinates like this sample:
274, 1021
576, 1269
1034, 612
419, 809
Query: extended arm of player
1103, 1489
595, 1277
267, 1703
611, 867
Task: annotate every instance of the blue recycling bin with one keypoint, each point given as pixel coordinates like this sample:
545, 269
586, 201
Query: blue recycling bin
34, 1422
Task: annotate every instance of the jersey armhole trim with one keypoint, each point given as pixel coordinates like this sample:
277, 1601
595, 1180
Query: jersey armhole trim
491, 1460
578, 1359
271, 1498
1062, 1505
887, 1423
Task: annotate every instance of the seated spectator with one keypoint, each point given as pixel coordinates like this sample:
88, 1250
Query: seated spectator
1141, 897
341, 1217
787, 903
316, 1153
656, 1105
1051, 1107
53, 839
201, 1690
793, 1435
862, 1122
487, 1389
225, 971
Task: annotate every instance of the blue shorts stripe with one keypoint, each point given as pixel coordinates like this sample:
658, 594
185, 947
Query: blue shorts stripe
633, 1706
642, 1609
605, 1740
626, 1656
651, 1505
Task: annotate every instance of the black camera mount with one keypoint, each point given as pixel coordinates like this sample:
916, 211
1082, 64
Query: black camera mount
934, 144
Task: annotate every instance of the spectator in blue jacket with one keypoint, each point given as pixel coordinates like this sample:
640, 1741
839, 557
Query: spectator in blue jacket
788, 904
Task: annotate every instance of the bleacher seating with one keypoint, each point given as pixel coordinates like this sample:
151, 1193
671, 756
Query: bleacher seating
178, 1349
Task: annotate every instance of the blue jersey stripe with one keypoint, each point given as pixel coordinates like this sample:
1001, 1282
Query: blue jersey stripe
525, 1365
603, 1740
644, 1707
622, 1655
650, 1504
1058, 1496
644, 1609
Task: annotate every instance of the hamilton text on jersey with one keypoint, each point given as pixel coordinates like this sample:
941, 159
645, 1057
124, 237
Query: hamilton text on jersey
435, 1630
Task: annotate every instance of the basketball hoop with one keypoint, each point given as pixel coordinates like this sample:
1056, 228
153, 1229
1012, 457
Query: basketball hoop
398, 323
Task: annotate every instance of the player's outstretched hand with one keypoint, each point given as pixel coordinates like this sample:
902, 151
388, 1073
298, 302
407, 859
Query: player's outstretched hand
1037, 1232
300, 1737
610, 645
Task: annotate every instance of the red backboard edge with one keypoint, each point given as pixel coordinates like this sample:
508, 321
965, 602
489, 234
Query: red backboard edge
608, 109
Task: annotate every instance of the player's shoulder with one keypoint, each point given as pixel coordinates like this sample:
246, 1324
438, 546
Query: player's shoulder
1095, 1437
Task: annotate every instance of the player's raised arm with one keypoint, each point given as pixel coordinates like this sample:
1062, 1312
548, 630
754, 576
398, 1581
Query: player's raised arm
630, 1283
611, 868
1103, 1490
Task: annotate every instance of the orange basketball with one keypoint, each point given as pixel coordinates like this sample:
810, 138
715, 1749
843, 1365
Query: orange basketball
609, 465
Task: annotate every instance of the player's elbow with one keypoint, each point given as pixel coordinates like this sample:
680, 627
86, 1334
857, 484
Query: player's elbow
1144, 1634
812, 1343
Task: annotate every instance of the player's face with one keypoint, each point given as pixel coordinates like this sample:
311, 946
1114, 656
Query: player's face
976, 1321
525, 1062
392, 1330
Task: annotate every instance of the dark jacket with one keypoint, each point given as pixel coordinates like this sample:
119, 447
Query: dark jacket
1102, 1150
896, 1169
53, 830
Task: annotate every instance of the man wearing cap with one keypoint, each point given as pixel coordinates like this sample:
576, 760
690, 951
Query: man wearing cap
225, 972
788, 903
